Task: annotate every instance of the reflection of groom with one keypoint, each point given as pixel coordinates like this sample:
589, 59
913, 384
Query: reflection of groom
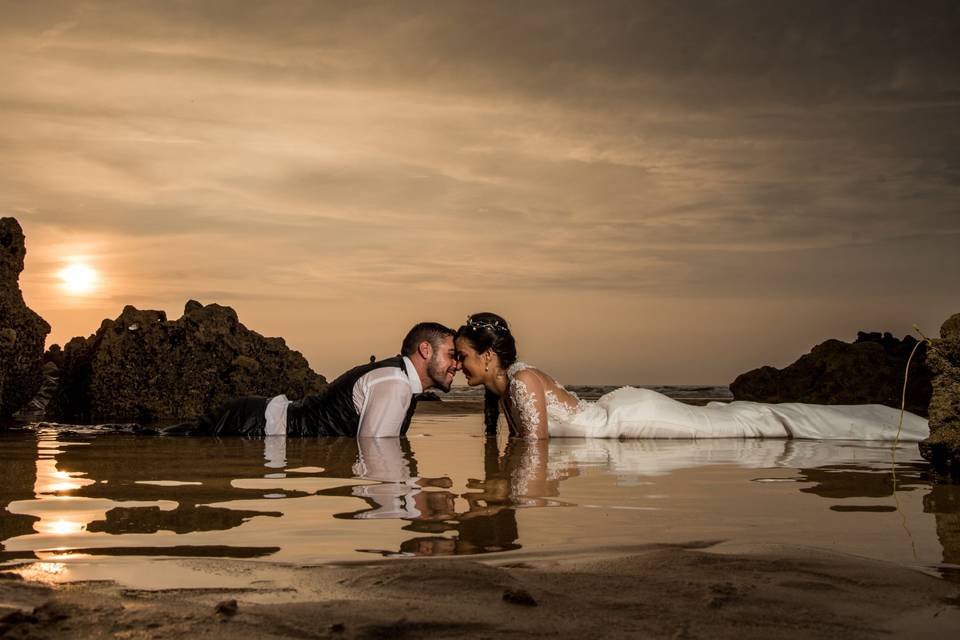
375, 400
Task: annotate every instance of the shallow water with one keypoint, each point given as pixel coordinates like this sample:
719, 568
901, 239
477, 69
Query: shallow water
142, 510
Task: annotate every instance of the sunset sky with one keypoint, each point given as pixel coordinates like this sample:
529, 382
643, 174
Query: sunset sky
651, 192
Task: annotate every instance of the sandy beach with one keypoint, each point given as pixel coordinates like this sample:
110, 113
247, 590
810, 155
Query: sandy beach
685, 591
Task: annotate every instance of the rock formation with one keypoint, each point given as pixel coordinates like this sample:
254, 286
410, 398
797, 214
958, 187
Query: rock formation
869, 370
143, 367
942, 448
22, 332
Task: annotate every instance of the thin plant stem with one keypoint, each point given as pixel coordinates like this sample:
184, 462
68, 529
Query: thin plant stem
903, 399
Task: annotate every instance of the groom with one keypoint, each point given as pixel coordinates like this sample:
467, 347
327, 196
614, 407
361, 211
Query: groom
373, 400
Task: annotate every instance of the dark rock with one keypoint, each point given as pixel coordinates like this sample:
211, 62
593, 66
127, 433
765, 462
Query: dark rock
337, 627
942, 448
227, 607
519, 596
36, 409
867, 371
144, 367
19, 617
22, 332
54, 356
53, 611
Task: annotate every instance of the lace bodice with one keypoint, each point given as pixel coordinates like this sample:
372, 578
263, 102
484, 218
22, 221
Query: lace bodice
532, 409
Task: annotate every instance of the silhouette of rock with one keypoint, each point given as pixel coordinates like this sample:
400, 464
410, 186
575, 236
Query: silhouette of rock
22, 332
144, 367
869, 370
942, 448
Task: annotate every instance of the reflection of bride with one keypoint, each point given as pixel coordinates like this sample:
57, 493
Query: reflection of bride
537, 406
635, 458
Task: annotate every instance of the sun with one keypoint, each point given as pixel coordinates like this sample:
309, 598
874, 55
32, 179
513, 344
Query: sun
78, 278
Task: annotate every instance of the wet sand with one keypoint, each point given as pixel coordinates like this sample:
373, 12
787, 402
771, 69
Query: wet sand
684, 591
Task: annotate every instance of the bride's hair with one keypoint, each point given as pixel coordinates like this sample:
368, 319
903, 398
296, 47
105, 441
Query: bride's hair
487, 331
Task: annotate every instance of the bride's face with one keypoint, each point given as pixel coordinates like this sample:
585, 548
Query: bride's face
472, 363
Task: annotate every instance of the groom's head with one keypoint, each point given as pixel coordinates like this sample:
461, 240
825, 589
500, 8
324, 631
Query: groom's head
429, 345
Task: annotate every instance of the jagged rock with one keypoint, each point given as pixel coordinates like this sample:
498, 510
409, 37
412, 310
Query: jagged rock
22, 332
869, 370
36, 409
144, 367
942, 448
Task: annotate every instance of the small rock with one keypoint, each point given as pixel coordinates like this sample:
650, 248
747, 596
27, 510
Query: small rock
519, 596
337, 627
52, 611
18, 617
227, 607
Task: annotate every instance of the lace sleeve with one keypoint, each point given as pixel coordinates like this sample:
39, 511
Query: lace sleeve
530, 404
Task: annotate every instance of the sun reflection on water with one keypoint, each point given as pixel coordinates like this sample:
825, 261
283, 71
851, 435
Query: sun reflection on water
59, 527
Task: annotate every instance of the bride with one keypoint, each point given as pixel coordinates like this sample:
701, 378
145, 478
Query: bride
537, 406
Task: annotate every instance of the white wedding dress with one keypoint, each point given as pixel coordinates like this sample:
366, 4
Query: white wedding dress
629, 412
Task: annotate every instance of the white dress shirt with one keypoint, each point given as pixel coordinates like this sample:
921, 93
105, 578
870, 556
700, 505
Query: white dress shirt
381, 397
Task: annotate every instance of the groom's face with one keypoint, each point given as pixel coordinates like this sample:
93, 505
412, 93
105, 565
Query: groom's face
443, 365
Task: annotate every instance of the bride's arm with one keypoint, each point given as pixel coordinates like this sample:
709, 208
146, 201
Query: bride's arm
527, 395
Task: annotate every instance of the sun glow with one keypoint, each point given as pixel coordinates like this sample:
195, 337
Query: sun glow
78, 278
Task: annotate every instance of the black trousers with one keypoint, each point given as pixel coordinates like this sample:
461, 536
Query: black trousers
239, 417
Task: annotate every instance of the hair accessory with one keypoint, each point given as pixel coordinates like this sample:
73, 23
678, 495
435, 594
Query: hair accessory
486, 324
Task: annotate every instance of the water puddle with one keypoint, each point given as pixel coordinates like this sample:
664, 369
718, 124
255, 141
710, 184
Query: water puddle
149, 511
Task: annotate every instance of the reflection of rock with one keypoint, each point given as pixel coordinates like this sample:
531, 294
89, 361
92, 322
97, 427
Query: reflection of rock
870, 370
183, 519
18, 474
209, 467
845, 481
22, 332
142, 366
942, 448
943, 502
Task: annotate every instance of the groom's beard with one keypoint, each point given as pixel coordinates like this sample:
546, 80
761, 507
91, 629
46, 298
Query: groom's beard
438, 375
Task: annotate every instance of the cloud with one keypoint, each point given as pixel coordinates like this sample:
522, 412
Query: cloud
308, 155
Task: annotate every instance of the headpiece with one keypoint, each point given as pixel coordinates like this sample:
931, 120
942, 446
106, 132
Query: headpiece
493, 325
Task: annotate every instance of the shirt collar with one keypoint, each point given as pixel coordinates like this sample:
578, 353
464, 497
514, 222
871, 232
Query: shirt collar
415, 385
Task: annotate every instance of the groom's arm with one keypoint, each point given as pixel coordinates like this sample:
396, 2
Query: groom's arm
384, 408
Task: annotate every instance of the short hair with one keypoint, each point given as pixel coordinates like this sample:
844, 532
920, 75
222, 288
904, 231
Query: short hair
432, 332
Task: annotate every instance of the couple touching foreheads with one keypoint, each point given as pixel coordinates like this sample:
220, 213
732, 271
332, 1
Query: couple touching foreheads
378, 400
